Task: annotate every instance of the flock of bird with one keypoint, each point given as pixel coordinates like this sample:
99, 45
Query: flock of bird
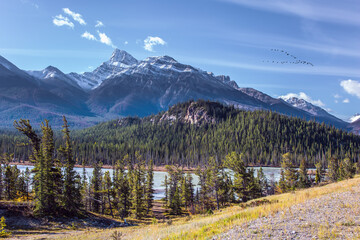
296, 60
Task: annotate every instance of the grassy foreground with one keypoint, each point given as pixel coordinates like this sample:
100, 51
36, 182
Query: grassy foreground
204, 227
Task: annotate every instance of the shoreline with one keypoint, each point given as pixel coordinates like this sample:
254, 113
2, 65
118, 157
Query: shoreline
156, 168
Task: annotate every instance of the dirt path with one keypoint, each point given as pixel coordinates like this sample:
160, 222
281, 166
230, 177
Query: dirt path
333, 216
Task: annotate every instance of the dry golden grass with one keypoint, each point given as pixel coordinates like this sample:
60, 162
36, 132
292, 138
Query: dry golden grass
204, 227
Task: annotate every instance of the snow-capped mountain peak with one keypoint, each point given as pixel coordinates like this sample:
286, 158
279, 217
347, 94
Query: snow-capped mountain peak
305, 106
121, 58
118, 61
355, 117
49, 72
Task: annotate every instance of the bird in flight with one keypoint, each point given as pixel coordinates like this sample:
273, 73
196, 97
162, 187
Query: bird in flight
294, 59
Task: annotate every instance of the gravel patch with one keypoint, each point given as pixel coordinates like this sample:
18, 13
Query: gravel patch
333, 216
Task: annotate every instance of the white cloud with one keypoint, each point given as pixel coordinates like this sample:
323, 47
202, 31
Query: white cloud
105, 39
346, 100
60, 20
126, 42
88, 36
304, 96
351, 86
150, 42
76, 16
99, 24
337, 96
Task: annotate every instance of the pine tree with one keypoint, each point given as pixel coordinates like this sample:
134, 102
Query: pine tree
319, 173
333, 169
96, 183
108, 190
72, 195
347, 169
304, 181
262, 181
290, 173
52, 173
48, 177
137, 183
149, 191
166, 186
242, 179
10, 182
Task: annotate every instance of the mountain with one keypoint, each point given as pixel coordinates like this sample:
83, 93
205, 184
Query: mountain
125, 86
156, 83
119, 61
355, 117
316, 112
190, 131
355, 123
48, 95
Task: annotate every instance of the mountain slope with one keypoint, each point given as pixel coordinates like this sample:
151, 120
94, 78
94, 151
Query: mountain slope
192, 130
119, 61
124, 86
24, 96
159, 82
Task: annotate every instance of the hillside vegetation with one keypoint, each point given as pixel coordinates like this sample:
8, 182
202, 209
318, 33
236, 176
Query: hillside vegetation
187, 134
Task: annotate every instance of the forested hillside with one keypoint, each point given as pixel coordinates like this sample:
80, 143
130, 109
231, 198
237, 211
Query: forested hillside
190, 132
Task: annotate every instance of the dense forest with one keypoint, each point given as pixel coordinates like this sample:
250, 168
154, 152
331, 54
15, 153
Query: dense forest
190, 132
55, 189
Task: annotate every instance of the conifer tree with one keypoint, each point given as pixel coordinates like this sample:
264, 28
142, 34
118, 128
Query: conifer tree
72, 188
166, 186
304, 181
96, 183
319, 173
262, 181
333, 169
48, 177
347, 169
122, 189
137, 178
290, 173
10, 182
108, 190
149, 191
242, 178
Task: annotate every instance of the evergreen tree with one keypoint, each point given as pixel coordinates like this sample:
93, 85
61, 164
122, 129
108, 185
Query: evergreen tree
10, 182
72, 188
304, 181
47, 178
243, 183
96, 183
319, 172
347, 169
289, 171
149, 191
166, 186
262, 181
137, 187
108, 190
122, 189
333, 169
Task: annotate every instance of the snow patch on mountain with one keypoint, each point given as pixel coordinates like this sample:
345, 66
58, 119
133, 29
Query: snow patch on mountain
355, 118
304, 105
118, 61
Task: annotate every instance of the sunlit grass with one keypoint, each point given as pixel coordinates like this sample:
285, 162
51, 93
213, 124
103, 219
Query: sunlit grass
204, 227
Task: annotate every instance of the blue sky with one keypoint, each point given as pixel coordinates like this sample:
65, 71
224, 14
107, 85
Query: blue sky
230, 37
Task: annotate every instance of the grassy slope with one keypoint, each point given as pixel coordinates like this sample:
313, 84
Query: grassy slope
203, 227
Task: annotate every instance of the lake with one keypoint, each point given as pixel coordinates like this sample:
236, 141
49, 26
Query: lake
271, 173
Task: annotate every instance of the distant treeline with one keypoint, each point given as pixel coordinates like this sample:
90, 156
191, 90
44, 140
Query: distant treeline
262, 137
